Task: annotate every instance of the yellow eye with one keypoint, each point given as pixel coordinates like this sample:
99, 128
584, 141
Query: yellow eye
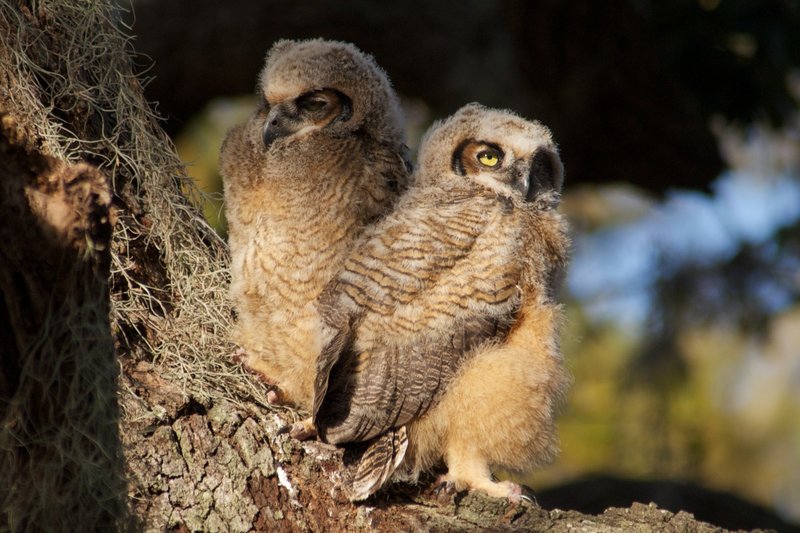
490, 158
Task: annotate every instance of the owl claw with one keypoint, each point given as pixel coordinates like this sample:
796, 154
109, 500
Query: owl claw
527, 494
518, 493
444, 486
274, 397
515, 493
303, 430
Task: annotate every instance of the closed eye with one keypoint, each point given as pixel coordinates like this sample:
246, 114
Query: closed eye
312, 102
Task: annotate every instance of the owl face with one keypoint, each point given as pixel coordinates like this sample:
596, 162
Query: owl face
310, 111
498, 150
508, 172
330, 86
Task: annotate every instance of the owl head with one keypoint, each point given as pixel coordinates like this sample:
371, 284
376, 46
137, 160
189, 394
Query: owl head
493, 149
326, 85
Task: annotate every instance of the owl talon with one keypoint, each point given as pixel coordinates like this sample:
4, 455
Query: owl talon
444, 486
527, 495
274, 397
517, 493
303, 430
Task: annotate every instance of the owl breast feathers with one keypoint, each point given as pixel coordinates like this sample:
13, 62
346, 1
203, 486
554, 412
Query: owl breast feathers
439, 335
321, 158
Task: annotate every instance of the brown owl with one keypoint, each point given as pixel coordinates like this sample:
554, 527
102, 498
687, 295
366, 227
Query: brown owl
320, 158
441, 331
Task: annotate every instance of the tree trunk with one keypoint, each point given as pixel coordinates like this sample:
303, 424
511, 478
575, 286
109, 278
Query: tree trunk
58, 372
81, 153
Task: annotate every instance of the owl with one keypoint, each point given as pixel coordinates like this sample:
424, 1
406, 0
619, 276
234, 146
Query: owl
441, 331
321, 158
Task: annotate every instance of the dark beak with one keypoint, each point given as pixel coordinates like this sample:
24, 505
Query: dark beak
276, 126
546, 174
522, 179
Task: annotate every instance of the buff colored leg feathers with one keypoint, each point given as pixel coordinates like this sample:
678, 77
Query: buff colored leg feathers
500, 410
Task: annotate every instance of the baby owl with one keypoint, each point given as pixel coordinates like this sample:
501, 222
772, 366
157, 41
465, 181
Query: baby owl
320, 158
440, 332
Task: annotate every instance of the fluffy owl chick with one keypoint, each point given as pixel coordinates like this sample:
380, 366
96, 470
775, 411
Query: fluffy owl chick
321, 158
441, 329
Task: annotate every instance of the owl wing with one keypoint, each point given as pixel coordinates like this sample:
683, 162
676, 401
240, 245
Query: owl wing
404, 279
389, 167
370, 465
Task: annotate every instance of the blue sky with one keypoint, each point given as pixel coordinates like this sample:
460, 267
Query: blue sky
613, 268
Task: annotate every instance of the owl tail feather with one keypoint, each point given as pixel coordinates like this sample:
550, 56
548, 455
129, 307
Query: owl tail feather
377, 464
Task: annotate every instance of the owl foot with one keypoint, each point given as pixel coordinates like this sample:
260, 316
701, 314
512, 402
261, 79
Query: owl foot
518, 493
303, 430
274, 397
475, 475
444, 488
444, 485
503, 489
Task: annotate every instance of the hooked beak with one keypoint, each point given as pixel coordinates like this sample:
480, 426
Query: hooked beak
522, 179
277, 125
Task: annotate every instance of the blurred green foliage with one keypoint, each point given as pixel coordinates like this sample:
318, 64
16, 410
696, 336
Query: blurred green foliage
199, 144
731, 422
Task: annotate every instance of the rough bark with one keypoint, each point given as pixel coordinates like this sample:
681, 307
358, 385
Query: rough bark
226, 467
201, 449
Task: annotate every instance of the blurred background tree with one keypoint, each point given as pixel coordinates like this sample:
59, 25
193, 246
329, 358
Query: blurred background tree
679, 127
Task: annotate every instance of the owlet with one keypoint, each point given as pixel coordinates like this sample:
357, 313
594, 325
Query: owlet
441, 331
321, 158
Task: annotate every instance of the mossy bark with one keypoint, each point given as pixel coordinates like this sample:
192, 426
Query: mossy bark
230, 467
